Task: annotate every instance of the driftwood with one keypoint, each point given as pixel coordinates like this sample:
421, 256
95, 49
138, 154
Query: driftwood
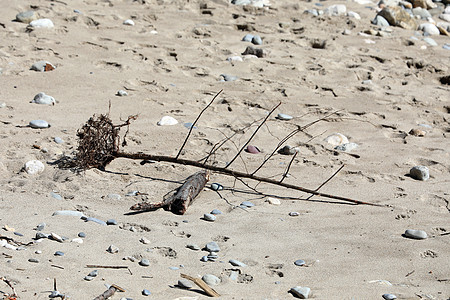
109, 292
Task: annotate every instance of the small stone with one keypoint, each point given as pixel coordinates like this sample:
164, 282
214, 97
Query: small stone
294, 214
336, 139
252, 149
335, 10
144, 241
58, 140
420, 173
417, 132
38, 124
81, 234
284, 117
301, 292
212, 256
347, 147
194, 247
144, 262
216, 212
42, 23
41, 235
204, 258
56, 237
380, 21
225, 77
234, 275
234, 58
256, 40
40, 226
299, 262
55, 195
59, 253
189, 125
258, 52
112, 249
389, 297
77, 240
122, 93
128, 22
247, 38
288, 150
216, 187
27, 16
146, 292
273, 201
33, 167
212, 247
17, 233
210, 279
73, 213
429, 29
42, 66
353, 14
33, 260
430, 41
88, 278
38, 252
209, 217
174, 268
184, 283
167, 120
236, 263
397, 16
416, 234
114, 196
247, 204
111, 222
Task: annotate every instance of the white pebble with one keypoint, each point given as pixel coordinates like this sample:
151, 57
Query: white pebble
128, 22
167, 120
122, 93
336, 139
273, 201
353, 14
301, 292
39, 124
33, 167
78, 240
42, 23
42, 98
234, 58
211, 279
429, 29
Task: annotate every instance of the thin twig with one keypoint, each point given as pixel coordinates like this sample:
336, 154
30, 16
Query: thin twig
107, 267
195, 122
288, 167
254, 133
326, 181
14, 295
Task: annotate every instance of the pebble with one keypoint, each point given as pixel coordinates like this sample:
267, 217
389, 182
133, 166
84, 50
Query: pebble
146, 292
416, 234
81, 234
236, 263
77, 240
256, 40
40, 226
144, 241
122, 93
42, 66
184, 283
204, 258
252, 149
33, 167
128, 22
38, 252
294, 214
430, 41
144, 262
189, 125
114, 196
288, 150
27, 16
234, 275
216, 187
212, 256
37, 124
389, 297
247, 204
347, 147
112, 249
59, 253
301, 292
111, 222
95, 220
58, 140
194, 247
247, 38
336, 139
210, 279
73, 213
174, 268
225, 77
132, 193
209, 217
216, 212
299, 262
273, 201
446, 46
420, 173
17, 233
56, 237
380, 22
417, 132
429, 29
33, 260
88, 278
335, 10
234, 58
284, 117
42, 23
167, 120
258, 52
212, 247
41, 235
353, 14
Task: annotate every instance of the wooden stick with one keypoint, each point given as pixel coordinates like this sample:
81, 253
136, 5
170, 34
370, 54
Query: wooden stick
109, 292
200, 283
107, 267
14, 295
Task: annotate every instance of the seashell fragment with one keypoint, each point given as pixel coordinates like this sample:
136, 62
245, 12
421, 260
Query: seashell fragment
167, 120
336, 139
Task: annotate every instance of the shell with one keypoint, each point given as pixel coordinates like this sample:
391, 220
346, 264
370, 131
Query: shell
167, 120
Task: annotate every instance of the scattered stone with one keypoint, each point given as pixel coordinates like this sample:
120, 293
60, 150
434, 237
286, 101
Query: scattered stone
42, 98
273, 201
247, 204
95, 220
81, 234
347, 147
112, 249
353, 14
33, 260
420, 173
204, 258
184, 283
114, 196
216, 187
73, 213
27, 16
122, 93
40, 226
335, 10
294, 214
234, 58
212, 256
17, 233
288, 150
144, 262
77, 240
430, 41
144, 241
167, 120
111, 222
58, 140
42, 23
380, 21
225, 77
422, 13
210, 279
194, 247
212, 247
128, 22
33, 167
256, 40
236, 263
93, 273
216, 212
38, 252
301, 292
174, 268
429, 29
299, 262
284, 117
258, 52
42, 66
417, 132
38, 124
88, 278
209, 217
59, 253
41, 235
336, 139
248, 37
389, 297
397, 16
252, 149
234, 275
146, 292
416, 234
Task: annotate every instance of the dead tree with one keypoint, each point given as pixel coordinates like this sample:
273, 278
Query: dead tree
100, 143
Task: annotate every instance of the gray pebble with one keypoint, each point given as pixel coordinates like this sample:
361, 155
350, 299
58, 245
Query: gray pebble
144, 262
347, 147
258, 52
58, 140
27, 16
41, 235
420, 173
40, 226
209, 217
430, 41
55, 195
284, 117
212, 247
112, 249
193, 247
301, 292
68, 213
225, 77
210, 279
416, 234
380, 22
146, 292
256, 40
212, 256
216, 187
294, 214
33, 260
184, 283
111, 222
247, 204
234, 275
38, 252
300, 262
174, 268
122, 93
389, 297
42, 98
56, 237
38, 124
204, 258
114, 196
95, 220
56, 294
132, 193
216, 212
93, 273
81, 234
236, 263
88, 278
288, 150
17, 233
247, 38
59, 253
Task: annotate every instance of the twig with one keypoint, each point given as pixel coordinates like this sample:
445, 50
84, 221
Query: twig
288, 167
326, 181
200, 283
107, 267
59, 267
14, 295
195, 122
254, 133
109, 292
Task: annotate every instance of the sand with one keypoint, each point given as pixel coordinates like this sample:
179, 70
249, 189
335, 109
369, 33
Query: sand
170, 63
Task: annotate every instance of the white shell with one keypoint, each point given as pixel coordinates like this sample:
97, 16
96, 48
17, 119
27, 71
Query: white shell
34, 167
128, 22
42, 23
42, 98
336, 139
167, 120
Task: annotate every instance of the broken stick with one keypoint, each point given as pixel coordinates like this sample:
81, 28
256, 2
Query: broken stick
109, 292
201, 284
